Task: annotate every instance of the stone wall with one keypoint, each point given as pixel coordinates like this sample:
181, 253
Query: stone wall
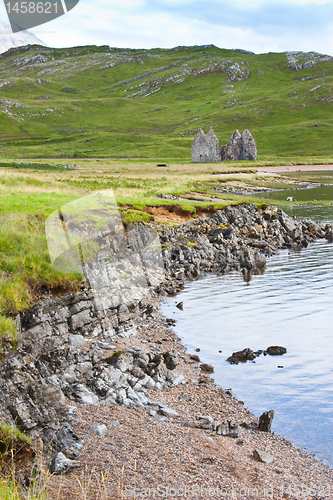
240, 147
200, 149
213, 146
205, 148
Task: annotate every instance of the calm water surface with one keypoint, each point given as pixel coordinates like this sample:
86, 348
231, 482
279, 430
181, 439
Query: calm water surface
290, 305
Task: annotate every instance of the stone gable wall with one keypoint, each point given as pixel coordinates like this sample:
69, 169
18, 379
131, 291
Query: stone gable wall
206, 149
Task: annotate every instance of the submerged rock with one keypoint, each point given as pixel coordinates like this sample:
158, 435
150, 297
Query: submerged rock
276, 350
241, 356
205, 367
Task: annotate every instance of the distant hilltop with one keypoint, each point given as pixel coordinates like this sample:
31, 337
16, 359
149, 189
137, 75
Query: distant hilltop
8, 39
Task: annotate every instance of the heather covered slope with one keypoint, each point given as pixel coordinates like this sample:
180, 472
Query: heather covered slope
109, 102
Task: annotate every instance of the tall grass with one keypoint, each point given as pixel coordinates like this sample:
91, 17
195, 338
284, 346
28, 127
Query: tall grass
24, 267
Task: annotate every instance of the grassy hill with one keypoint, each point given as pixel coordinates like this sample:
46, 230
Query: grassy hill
108, 102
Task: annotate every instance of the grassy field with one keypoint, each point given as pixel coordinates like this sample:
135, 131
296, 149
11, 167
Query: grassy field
102, 102
30, 192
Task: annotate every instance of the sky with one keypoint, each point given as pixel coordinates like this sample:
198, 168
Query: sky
256, 25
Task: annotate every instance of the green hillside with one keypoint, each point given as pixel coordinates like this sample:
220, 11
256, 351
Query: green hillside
108, 102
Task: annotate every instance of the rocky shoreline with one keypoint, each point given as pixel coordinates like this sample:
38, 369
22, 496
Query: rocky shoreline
77, 366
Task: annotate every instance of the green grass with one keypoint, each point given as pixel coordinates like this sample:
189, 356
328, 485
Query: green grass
25, 265
117, 103
15, 448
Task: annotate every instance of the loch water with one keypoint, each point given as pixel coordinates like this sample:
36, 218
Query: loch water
290, 304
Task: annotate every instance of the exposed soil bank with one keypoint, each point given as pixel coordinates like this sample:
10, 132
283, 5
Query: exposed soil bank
80, 365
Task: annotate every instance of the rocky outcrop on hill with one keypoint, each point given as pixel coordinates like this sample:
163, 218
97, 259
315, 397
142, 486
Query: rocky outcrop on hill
305, 60
65, 347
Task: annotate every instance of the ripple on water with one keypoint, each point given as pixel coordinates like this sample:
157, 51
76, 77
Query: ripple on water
289, 305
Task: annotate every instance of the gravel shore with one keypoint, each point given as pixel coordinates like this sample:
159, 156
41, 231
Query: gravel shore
146, 455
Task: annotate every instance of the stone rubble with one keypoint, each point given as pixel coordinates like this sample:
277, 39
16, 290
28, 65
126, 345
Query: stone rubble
225, 428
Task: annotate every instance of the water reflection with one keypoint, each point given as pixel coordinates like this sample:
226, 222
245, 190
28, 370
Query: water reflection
288, 305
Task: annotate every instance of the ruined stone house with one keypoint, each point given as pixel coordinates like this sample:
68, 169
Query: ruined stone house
240, 147
205, 147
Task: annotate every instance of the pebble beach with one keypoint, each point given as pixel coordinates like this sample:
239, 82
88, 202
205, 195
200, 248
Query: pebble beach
143, 454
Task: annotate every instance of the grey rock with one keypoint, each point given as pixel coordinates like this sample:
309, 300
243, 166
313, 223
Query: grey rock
84, 395
171, 359
104, 344
160, 418
73, 450
123, 361
329, 235
185, 397
114, 422
225, 428
263, 456
205, 422
100, 429
20, 411
61, 464
69, 443
168, 412
229, 429
207, 368
123, 313
265, 421
80, 319
178, 379
127, 334
79, 306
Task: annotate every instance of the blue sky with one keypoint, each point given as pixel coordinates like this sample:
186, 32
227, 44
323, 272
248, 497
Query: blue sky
257, 25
